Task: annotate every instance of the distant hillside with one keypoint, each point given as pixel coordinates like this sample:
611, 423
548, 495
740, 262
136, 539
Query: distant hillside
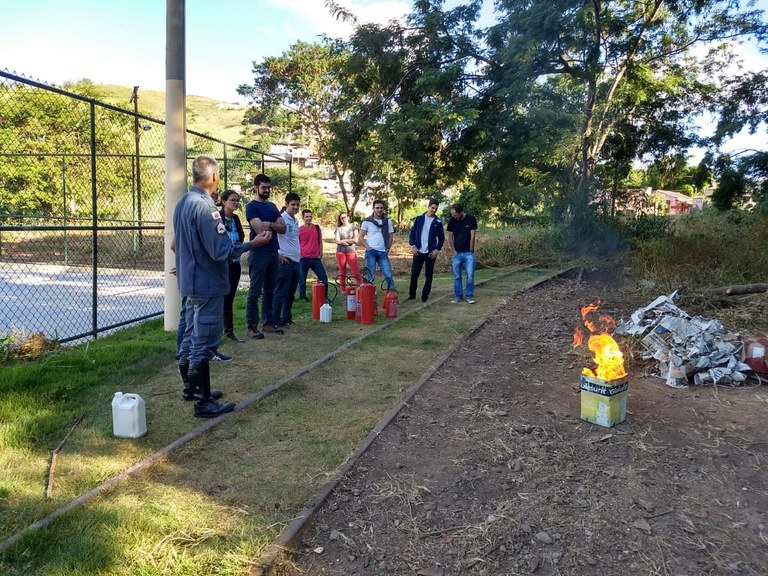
219, 119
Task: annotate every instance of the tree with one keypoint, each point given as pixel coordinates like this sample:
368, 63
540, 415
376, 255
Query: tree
741, 179
670, 172
744, 105
304, 88
50, 133
543, 108
731, 185
623, 62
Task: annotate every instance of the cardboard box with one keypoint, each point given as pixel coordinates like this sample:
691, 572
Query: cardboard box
604, 402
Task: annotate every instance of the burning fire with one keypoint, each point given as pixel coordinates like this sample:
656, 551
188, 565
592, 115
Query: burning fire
608, 356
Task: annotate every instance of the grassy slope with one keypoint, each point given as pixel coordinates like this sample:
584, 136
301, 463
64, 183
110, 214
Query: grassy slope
203, 115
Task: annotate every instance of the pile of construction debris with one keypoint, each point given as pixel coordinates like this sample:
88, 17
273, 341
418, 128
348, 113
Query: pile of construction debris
689, 350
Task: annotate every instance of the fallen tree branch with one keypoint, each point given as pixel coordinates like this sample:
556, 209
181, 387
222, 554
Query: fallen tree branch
737, 290
54, 453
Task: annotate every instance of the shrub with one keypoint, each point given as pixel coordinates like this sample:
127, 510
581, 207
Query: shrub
25, 347
704, 250
521, 245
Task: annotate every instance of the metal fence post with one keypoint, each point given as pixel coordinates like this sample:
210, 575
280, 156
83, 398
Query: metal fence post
64, 207
226, 180
134, 242
94, 224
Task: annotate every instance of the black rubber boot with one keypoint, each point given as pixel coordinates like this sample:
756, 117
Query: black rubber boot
191, 388
206, 406
184, 371
229, 328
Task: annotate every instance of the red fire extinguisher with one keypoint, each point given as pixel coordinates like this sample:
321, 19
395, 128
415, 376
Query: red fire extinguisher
358, 307
318, 299
350, 293
359, 302
390, 304
367, 303
351, 301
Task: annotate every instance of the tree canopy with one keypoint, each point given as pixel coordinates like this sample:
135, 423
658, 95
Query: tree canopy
553, 101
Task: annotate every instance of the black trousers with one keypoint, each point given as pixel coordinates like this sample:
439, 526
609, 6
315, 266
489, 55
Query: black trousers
418, 262
235, 271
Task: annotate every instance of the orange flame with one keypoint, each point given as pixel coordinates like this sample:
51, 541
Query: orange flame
605, 323
608, 357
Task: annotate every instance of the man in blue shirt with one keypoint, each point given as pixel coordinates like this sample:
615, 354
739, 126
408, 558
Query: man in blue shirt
426, 239
263, 262
203, 251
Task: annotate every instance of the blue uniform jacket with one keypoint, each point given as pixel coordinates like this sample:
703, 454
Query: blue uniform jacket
436, 234
203, 249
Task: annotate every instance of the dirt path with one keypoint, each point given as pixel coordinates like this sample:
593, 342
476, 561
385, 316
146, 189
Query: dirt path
491, 471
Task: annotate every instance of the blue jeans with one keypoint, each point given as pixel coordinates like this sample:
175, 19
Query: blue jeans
287, 279
316, 265
203, 329
262, 270
380, 257
465, 260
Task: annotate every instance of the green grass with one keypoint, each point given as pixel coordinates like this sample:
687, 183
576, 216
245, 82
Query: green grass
206, 115
214, 504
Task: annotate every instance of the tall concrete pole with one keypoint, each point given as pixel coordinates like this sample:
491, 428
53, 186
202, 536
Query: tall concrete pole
175, 145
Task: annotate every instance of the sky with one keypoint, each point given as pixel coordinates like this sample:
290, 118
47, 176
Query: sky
123, 41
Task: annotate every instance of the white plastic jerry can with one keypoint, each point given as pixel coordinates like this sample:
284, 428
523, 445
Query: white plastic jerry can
129, 416
325, 313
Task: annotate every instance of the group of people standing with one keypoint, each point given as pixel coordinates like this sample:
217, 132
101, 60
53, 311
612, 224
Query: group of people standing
209, 242
426, 239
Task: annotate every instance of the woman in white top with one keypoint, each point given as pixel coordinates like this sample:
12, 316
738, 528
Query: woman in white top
346, 238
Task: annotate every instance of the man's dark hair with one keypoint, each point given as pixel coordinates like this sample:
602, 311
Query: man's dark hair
379, 201
291, 196
458, 207
261, 179
305, 212
433, 201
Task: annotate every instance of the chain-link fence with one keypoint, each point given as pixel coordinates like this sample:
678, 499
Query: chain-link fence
82, 209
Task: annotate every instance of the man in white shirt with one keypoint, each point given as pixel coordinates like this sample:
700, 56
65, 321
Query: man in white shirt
289, 255
376, 235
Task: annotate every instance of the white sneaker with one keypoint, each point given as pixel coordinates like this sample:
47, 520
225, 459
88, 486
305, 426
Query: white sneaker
470, 300
455, 300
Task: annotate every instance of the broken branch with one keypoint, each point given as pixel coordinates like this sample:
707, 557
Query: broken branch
738, 290
54, 453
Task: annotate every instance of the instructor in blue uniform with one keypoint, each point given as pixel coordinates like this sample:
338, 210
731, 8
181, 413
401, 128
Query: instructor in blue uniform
203, 251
